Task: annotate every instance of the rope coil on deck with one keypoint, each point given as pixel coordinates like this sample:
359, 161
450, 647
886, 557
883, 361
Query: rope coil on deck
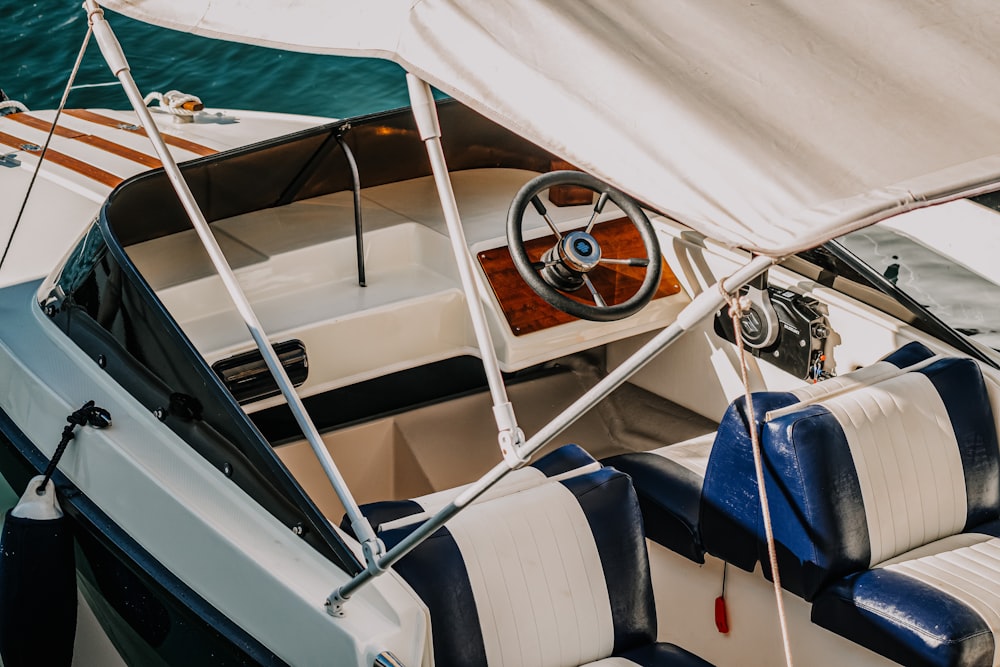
181, 105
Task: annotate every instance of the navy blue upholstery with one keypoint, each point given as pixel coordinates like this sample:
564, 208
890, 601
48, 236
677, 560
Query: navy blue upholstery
959, 383
815, 501
730, 521
720, 512
669, 496
729, 517
908, 355
557, 462
907, 620
820, 520
565, 459
448, 595
439, 574
612, 510
654, 655
885, 502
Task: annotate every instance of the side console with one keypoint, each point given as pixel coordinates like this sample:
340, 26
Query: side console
785, 328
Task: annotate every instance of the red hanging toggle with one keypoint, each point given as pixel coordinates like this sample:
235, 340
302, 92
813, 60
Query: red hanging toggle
721, 618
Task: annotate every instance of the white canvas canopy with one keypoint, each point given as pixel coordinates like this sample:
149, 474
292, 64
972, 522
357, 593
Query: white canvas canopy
770, 125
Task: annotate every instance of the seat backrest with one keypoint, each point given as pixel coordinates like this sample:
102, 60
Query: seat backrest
566, 461
861, 477
552, 575
730, 513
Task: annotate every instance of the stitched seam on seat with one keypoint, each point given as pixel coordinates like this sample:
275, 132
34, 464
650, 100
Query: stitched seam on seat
562, 648
581, 546
882, 407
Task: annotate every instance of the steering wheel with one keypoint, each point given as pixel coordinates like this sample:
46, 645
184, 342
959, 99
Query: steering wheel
564, 268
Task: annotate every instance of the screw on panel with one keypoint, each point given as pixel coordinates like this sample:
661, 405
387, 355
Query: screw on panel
227, 469
160, 413
102, 361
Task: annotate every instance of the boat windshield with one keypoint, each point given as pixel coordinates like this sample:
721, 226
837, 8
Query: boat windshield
944, 258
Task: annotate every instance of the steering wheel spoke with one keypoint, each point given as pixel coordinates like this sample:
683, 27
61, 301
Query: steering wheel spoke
631, 261
540, 208
566, 266
598, 299
598, 209
543, 264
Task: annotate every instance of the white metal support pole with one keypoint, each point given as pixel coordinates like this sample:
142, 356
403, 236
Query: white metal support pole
112, 52
425, 113
704, 305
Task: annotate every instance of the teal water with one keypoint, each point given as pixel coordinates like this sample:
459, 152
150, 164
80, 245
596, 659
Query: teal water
41, 41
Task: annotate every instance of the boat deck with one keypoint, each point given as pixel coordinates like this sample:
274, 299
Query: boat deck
297, 265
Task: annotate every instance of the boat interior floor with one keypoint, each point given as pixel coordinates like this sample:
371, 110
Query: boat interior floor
453, 442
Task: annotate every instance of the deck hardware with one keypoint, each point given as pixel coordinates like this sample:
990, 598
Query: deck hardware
88, 415
160, 413
185, 407
129, 127
218, 118
335, 606
387, 659
32, 148
227, 469
102, 361
10, 160
53, 300
247, 377
356, 185
299, 529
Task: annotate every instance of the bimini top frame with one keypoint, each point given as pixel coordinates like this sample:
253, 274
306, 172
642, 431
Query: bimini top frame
516, 451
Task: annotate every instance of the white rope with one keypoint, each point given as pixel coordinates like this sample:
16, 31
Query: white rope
13, 104
176, 103
737, 306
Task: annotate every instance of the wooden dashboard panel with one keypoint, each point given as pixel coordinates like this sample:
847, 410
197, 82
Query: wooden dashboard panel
526, 312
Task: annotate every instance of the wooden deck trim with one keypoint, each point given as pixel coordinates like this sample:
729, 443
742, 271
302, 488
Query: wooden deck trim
91, 140
169, 139
63, 160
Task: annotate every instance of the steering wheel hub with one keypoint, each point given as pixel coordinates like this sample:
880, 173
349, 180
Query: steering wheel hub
579, 251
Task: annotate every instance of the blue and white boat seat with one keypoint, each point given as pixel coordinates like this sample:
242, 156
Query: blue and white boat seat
863, 477
668, 482
566, 461
934, 605
701, 495
885, 504
554, 574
